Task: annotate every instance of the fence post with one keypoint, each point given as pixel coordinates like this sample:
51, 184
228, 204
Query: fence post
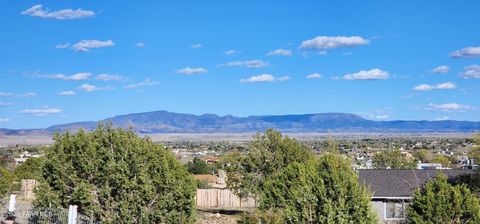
11, 204
72, 214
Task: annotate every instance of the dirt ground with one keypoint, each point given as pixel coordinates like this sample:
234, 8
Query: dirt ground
217, 218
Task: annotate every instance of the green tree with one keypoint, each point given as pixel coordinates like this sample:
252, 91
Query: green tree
442, 160
267, 153
423, 155
440, 202
392, 159
6, 179
474, 152
198, 166
116, 177
323, 190
30, 169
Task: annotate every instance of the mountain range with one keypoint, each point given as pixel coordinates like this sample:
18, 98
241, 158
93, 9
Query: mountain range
168, 122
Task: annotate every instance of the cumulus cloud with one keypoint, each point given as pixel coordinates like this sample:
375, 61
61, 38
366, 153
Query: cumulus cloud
90, 88
280, 52
195, 46
2, 120
314, 76
448, 107
75, 77
264, 78
140, 45
147, 82
87, 45
39, 11
441, 69
471, 72
373, 74
440, 86
231, 52
67, 93
108, 77
468, 52
5, 104
248, 63
331, 42
192, 71
41, 111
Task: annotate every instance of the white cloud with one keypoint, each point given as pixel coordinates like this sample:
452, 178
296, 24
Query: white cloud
331, 42
108, 77
24, 95
248, 64
27, 95
75, 77
192, 71
314, 76
231, 52
373, 74
468, 52
440, 86
448, 107
264, 78
5, 94
471, 72
38, 11
87, 45
195, 46
90, 88
441, 69
147, 82
41, 111
2, 120
140, 45
280, 52
5, 104
441, 118
62, 46
67, 93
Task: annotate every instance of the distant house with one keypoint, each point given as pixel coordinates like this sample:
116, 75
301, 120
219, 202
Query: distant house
210, 159
393, 189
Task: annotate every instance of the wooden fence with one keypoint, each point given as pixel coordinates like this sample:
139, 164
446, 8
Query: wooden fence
222, 199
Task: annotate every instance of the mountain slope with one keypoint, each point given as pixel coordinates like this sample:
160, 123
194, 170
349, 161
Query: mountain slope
168, 122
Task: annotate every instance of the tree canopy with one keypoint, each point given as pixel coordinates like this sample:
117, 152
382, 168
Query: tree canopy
267, 154
323, 190
440, 202
30, 169
6, 179
392, 159
116, 177
475, 150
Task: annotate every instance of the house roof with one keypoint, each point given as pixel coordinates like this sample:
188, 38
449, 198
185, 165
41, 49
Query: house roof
400, 183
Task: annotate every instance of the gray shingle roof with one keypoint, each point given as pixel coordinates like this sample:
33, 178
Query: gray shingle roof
400, 183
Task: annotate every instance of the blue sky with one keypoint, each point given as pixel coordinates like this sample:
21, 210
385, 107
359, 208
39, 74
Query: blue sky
67, 61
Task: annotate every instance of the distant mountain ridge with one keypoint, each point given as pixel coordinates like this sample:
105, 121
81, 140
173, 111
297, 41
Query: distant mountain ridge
168, 122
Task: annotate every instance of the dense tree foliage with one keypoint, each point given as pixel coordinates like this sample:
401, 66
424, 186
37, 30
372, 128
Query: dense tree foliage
441, 202
475, 150
116, 177
267, 154
198, 166
423, 155
442, 160
392, 159
6, 179
323, 190
30, 169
